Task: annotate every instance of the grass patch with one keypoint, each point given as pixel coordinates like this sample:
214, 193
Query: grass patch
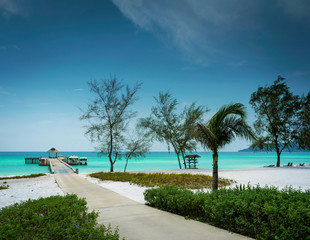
25, 176
56, 217
193, 181
261, 213
3, 186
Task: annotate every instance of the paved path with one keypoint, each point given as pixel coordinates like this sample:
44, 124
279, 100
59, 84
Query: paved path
135, 220
60, 167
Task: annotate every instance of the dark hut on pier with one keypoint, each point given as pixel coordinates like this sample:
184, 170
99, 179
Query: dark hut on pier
191, 161
52, 150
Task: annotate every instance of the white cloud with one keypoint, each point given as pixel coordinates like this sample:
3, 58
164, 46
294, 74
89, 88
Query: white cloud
4, 92
173, 21
10, 7
185, 104
240, 63
300, 73
191, 26
47, 122
296, 8
189, 68
9, 47
203, 29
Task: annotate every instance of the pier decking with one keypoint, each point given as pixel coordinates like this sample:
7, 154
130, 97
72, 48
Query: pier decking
57, 165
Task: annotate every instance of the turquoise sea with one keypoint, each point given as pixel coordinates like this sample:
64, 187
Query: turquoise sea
13, 163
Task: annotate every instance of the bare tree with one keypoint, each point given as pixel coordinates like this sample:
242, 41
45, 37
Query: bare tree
172, 128
137, 146
303, 136
108, 115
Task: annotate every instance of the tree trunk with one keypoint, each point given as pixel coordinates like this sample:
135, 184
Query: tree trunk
184, 160
177, 153
278, 158
127, 162
126, 165
215, 177
110, 151
277, 150
179, 161
111, 164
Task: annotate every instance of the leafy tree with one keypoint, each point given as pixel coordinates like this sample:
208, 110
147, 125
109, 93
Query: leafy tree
137, 146
108, 116
279, 118
172, 128
225, 125
304, 118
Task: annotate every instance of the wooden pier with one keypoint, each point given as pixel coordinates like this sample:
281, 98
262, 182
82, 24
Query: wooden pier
56, 164
32, 160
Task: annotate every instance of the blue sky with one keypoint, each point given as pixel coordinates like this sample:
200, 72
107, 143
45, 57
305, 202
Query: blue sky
209, 52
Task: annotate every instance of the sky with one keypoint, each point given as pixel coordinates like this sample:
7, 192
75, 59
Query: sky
209, 52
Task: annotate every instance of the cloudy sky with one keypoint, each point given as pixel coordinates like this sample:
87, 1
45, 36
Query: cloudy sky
209, 52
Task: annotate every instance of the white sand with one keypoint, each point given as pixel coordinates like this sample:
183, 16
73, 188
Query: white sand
296, 177
25, 188
34, 188
131, 191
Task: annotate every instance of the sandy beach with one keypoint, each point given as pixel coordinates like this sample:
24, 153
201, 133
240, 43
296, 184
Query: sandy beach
296, 177
23, 189
28, 188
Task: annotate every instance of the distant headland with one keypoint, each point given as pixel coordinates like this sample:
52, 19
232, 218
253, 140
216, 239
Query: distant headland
251, 149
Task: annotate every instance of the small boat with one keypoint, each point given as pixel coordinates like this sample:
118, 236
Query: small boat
83, 160
73, 160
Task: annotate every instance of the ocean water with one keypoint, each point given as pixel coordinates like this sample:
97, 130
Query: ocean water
13, 163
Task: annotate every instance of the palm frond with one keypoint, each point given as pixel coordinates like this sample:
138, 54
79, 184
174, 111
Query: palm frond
226, 125
205, 136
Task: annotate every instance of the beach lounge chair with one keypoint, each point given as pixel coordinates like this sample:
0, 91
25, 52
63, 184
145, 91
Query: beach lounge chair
289, 164
270, 166
301, 164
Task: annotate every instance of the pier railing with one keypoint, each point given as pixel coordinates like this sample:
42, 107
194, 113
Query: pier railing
68, 165
32, 160
51, 168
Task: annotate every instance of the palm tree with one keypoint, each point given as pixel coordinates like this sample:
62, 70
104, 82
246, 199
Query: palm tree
227, 124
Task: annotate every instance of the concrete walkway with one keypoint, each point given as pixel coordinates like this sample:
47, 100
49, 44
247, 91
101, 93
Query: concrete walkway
60, 167
135, 220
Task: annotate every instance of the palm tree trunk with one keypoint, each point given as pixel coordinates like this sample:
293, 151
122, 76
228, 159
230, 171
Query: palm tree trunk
215, 177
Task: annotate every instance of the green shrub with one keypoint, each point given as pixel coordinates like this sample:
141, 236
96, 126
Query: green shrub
262, 213
56, 217
118, 176
193, 181
24, 176
3, 186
